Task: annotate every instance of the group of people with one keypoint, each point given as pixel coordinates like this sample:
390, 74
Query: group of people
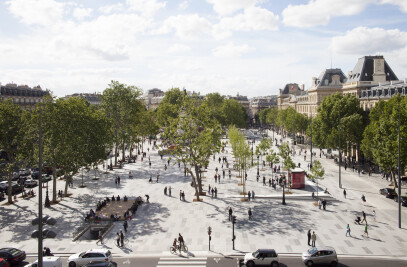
311, 238
167, 190
213, 191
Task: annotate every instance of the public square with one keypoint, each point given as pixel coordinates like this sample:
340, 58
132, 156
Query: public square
157, 223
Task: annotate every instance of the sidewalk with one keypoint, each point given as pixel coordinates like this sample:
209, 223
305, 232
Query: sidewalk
157, 223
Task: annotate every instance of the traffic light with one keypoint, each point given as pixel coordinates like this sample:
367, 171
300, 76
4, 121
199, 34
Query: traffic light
233, 219
209, 230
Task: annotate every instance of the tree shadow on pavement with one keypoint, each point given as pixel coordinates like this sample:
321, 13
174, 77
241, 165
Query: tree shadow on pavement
150, 219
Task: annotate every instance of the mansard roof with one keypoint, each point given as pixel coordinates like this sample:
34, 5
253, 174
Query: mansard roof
364, 69
290, 88
327, 75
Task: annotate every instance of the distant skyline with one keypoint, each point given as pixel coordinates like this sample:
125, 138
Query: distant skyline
250, 47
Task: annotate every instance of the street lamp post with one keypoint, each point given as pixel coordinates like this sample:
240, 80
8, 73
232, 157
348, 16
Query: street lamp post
252, 151
339, 150
311, 143
209, 234
283, 202
399, 183
258, 171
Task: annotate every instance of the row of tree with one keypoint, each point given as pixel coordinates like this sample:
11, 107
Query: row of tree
342, 123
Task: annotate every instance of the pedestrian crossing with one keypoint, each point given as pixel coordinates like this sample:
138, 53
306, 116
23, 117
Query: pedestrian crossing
172, 261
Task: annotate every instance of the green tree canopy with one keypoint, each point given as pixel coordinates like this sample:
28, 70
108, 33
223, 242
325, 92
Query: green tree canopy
234, 113
381, 141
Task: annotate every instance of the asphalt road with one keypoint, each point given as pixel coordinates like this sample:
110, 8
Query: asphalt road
234, 262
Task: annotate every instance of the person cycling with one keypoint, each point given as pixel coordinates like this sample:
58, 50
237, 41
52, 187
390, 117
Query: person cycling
181, 242
174, 244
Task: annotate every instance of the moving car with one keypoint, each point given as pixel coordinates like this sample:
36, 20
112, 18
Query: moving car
388, 192
260, 257
12, 255
91, 255
15, 187
403, 200
30, 183
24, 172
48, 262
320, 256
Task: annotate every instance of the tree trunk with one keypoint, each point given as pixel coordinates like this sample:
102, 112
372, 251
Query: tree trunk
124, 152
115, 154
54, 183
67, 180
131, 148
10, 189
395, 184
194, 183
198, 179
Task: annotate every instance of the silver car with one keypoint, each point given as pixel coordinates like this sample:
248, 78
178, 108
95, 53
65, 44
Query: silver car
267, 257
320, 256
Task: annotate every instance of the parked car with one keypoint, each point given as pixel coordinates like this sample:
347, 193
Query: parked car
320, 256
35, 173
267, 257
388, 192
16, 188
4, 263
24, 172
48, 262
91, 255
30, 183
403, 200
12, 255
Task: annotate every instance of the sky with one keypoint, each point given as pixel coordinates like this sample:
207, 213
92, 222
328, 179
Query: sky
246, 47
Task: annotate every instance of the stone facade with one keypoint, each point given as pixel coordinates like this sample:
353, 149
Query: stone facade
93, 99
257, 104
153, 98
22, 95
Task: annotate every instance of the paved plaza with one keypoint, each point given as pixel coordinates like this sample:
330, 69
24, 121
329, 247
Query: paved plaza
157, 223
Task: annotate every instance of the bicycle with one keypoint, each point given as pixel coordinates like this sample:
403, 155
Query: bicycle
173, 250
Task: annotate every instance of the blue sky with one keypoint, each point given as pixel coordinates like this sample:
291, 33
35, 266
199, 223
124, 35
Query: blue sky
250, 47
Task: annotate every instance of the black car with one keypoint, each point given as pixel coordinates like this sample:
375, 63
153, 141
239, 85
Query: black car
15, 188
403, 200
388, 192
12, 255
35, 174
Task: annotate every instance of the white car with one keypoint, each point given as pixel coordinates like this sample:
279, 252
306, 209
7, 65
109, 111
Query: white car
30, 183
83, 258
24, 172
47, 262
267, 257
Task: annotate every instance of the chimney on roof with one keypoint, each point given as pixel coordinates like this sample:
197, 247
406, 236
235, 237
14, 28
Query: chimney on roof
302, 86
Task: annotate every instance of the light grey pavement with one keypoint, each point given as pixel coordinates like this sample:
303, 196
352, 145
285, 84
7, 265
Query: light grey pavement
273, 225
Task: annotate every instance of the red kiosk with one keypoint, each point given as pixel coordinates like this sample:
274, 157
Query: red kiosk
298, 178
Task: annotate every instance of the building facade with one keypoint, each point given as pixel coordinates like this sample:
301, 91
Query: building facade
93, 99
22, 95
153, 98
257, 104
371, 80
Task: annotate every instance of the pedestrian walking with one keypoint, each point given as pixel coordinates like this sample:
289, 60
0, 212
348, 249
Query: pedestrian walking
118, 179
319, 203
257, 177
365, 232
309, 237
250, 213
230, 213
165, 190
374, 215
169, 190
364, 217
121, 238
183, 195
209, 189
125, 225
347, 230
363, 198
324, 204
264, 180
212, 192
216, 192
180, 194
115, 181
249, 195
313, 239
253, 195
118, 239
344, 193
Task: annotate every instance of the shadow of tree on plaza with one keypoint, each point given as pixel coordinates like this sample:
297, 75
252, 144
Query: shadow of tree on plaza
150, 219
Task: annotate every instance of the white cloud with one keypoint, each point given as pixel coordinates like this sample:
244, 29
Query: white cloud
178, 48
41, 12
80, 13
319, 12
364, 41
183, 5
111, 8
145, 7
252, 19
231, 50
186, 26
401, 3
110, 37
228, 7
